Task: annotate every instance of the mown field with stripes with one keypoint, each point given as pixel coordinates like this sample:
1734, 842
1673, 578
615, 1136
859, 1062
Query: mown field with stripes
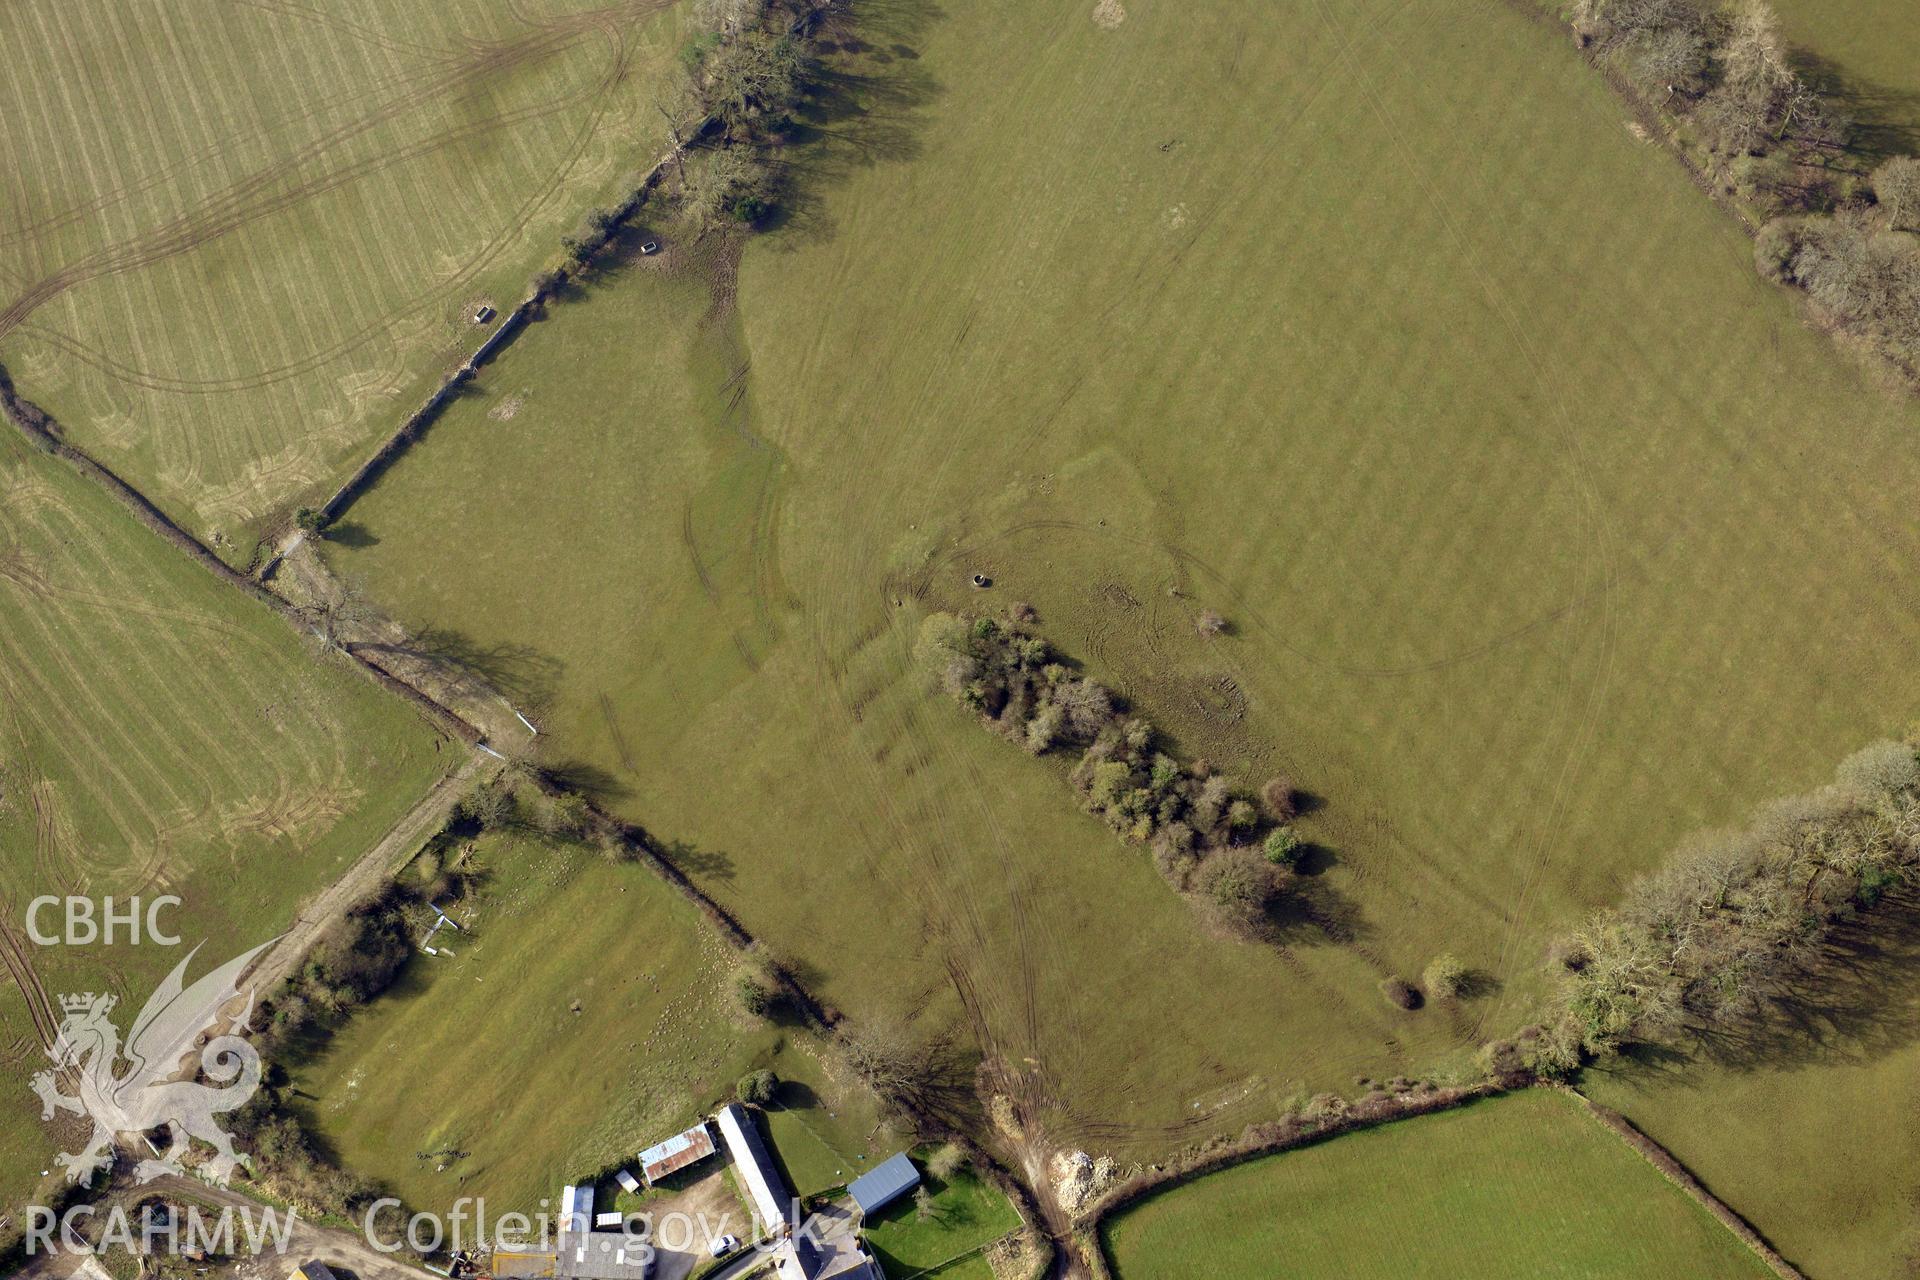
161, 734
240, 241
603, 1009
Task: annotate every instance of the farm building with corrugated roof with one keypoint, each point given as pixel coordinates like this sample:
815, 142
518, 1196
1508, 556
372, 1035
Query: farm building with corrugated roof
881, 1185
676, 1153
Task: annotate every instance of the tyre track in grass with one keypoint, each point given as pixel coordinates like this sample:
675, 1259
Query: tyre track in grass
1020, 977
155, 179
1605, 549
880, 822
263, 194
932, 380
767, 562
19, 965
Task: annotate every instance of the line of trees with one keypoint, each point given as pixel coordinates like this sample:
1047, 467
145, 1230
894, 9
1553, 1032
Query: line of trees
354, 961
751, 68
1734, 918
1725, 70
1232, 854
1839, 232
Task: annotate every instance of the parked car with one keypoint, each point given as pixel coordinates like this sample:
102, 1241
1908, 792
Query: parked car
725, 1245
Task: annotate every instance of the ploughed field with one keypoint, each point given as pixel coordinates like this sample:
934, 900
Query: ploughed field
242, 242
160, 733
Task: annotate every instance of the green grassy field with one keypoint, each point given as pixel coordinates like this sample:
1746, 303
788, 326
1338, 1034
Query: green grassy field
1547, 532
162, 734
965, 1216
825, 1130
1523, 1186
1809, 1126
530, 1093
244, 240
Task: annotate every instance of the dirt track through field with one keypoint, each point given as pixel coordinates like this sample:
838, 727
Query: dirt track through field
365, 877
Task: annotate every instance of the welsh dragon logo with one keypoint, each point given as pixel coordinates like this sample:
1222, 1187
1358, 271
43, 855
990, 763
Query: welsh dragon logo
141, 1098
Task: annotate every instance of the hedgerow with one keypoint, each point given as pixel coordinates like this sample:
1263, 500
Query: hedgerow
1735, 919
1210, 840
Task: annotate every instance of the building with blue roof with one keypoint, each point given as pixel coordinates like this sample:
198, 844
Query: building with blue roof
881, 1185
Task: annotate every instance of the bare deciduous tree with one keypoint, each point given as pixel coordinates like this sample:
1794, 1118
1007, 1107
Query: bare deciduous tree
1896, 184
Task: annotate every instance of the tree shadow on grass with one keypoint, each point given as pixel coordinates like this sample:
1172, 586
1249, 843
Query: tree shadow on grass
1313, 911
696, 863
526, 675
868, 107
352, 534
1886, 121
1315, 859
795, 1095
1855, 1005
1478, 984
590, 780
623, 255
945, 1093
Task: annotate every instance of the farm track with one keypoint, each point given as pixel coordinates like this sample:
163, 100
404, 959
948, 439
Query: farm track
344, 1247
365, 877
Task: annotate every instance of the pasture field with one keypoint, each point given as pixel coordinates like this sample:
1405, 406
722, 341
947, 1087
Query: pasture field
161, 734
241, 242
1546, 531
1521, 1186
678, 673
528, 1093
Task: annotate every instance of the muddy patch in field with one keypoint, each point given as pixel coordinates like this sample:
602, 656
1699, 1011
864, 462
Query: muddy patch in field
1109, 14
510, 405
